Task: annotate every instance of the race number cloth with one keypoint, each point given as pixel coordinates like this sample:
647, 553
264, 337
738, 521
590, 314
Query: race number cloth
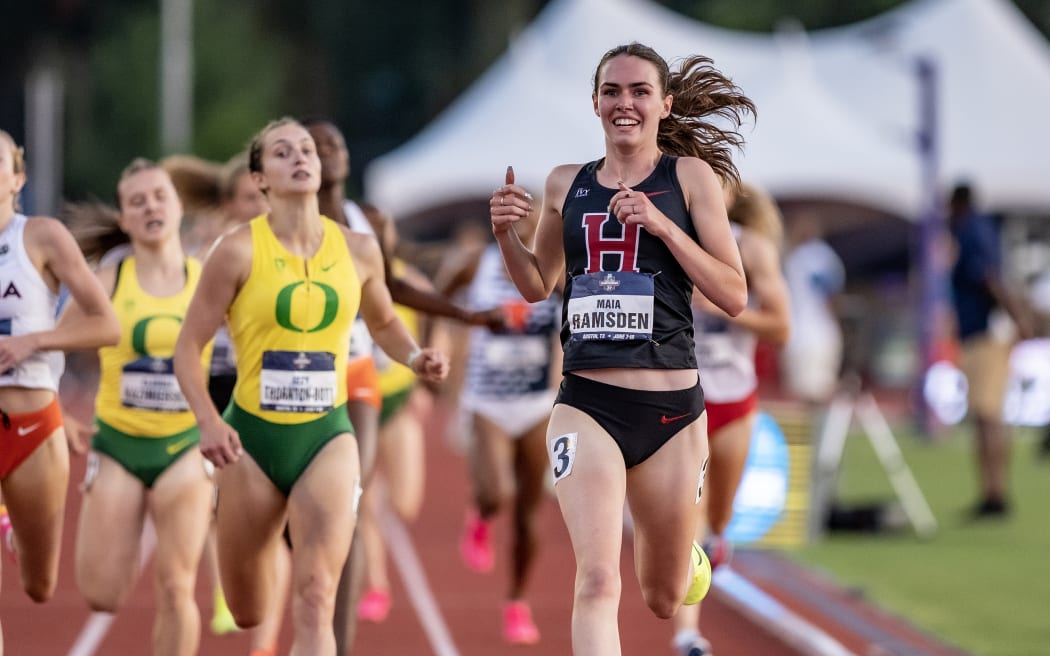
303, 381
149, 383
611, 305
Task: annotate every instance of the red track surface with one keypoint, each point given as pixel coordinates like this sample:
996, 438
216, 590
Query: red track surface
470, 604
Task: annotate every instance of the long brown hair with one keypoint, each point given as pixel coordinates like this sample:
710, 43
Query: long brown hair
700, 92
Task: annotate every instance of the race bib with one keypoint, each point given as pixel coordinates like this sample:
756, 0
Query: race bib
517, 351
563, 455
611, 305
150, 384
297, 381
714, 351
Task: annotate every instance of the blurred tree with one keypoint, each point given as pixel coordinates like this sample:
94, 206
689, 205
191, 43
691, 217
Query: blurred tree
381, 72
113, 104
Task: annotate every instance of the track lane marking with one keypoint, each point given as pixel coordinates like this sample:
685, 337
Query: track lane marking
399, 544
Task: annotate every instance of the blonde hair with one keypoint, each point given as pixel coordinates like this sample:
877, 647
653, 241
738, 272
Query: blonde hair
18, 160
756, 210
95, 224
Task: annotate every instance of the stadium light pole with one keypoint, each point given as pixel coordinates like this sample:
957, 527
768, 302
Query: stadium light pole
176, 75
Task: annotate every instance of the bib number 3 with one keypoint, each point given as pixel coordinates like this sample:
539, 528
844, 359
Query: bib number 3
562, 455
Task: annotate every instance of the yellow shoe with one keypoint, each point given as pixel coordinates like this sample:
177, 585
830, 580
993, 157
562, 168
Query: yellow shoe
222, 622
701, 577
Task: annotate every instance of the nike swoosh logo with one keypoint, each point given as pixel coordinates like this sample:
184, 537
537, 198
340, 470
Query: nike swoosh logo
326, 268
664, 419
26, 430
175, 447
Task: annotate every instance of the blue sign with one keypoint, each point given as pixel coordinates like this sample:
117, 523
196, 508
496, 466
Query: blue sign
762, 494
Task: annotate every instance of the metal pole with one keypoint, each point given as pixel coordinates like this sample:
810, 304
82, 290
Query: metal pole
176, 75
932, 308
44, 97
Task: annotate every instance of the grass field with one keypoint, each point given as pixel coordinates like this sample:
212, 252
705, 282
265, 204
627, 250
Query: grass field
981, 586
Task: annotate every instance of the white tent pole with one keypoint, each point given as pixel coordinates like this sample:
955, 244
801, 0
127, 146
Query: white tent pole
176, 75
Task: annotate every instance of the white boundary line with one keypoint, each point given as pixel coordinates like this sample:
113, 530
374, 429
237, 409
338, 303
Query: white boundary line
399, 543
762, 609
98, 623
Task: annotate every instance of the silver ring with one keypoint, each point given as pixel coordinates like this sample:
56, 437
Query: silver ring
501, 199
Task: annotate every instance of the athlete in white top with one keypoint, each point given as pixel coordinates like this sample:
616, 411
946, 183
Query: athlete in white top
508, 394
38, 255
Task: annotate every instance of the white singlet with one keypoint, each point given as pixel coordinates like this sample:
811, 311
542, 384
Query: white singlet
27, 305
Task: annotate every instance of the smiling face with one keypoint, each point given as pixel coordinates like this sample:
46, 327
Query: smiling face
12, 173
630, 100
150, 209
289, 164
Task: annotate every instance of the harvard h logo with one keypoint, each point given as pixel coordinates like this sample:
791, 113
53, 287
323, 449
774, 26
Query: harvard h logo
598, 245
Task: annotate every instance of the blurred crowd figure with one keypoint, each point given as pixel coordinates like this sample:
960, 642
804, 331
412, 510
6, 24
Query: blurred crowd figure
981, 295
511, 378
725, 355
812, 358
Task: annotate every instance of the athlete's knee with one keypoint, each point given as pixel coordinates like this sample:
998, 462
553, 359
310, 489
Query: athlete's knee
247, 618
173, 591
316, 599
41, 588
662, 599
102, 601
599, 582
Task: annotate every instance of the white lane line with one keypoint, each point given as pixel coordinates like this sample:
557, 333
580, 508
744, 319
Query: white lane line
97, 625
399, 543
762, 609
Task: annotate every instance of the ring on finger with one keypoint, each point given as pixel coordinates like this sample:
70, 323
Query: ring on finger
501, 198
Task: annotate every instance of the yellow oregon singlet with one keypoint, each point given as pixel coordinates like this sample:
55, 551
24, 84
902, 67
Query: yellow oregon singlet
290, 325
138, 393
395, 377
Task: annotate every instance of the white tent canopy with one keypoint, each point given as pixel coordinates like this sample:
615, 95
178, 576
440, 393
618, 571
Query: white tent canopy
993, 70
837, 115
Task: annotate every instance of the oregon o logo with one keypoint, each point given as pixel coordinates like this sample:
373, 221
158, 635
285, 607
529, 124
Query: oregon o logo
284, 308
138, 333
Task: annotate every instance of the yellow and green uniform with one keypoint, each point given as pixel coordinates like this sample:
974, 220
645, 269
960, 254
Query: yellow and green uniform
290, 325
144, 421
396, 381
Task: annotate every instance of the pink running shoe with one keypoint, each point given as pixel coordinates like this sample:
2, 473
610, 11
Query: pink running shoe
7, 534
476, 544
518, 627
374, 605
719, 550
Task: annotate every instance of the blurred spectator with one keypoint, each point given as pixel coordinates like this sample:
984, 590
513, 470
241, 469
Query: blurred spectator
978, 290
812, 357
